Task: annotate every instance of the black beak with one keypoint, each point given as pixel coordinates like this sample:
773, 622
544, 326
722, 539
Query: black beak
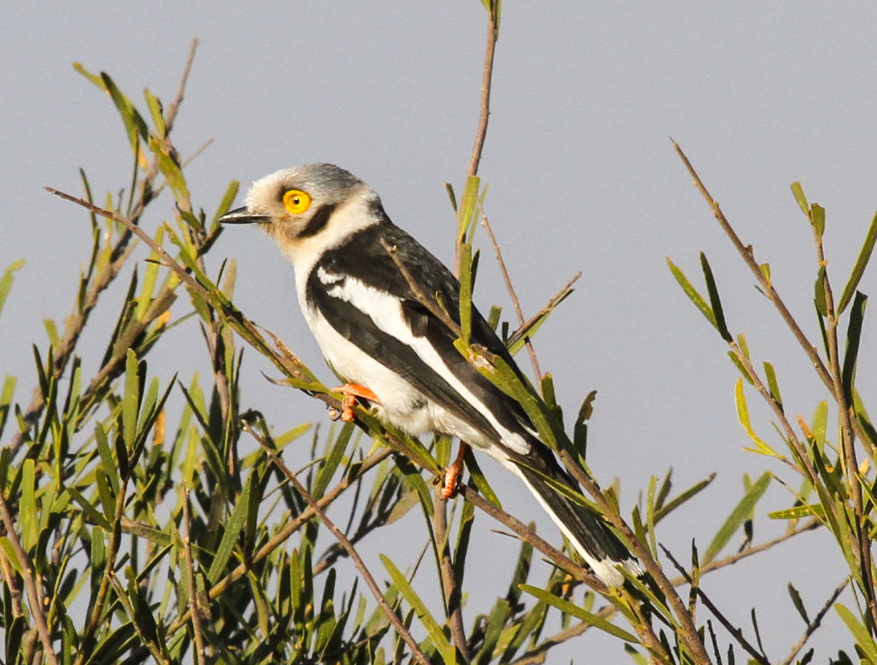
242, 216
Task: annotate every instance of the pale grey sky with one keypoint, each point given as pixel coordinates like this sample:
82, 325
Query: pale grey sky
582, 176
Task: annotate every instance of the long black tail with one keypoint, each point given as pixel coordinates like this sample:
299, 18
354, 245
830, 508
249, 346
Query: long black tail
586, 530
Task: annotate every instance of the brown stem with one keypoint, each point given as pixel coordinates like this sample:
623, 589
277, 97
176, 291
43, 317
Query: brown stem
453, 593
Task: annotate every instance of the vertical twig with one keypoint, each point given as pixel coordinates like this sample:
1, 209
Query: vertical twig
848, 450
195, 612
486, 82
453, 593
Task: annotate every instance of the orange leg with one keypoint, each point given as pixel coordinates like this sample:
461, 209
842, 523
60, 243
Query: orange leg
453, 473
350, 392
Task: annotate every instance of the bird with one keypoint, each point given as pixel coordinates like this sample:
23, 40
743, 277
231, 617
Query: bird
373, 298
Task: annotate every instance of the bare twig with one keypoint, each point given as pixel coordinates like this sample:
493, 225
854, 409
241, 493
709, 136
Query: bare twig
736, 632
453, 593
486, 82
537, 374
817, 621
401, 630
767, 287
195, 612
175, 105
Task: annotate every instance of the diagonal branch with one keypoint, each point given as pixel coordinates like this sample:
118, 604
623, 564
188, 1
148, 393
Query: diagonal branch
402, 631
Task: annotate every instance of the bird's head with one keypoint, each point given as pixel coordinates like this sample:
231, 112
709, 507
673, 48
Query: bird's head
311, 204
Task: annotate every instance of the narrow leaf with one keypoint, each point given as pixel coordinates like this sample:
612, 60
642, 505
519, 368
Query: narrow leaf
742, 511
7, 279
819, 292
798, 193
574, 610
233, 527
715, 302
743, 418
439, 639
692, 293
854, 334
858, 269
859, 631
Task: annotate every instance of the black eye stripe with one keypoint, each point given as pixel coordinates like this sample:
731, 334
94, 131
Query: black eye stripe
318, 221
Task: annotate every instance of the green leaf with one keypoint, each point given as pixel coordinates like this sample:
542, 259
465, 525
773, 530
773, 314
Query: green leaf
6, 396
858, 269
859, 631
439, 639
228, 198
854, 334
819, 292
798, 603
798, 193
134, 124
131, 401
7, 280
479, 481
692, 294
232, 529
466, 285
817, 218
468, 210
743, 418
772, 385
333, 459
742, 512
715, 302
798, 512
665, 509
575, 611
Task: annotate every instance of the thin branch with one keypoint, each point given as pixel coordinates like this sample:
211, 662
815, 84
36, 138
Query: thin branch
565, 290
32, 587
194, 611
453, 593
537, 374
283, 535
524, 533
762, 279
486, 82
689, 634
862, 542
737, 633
767, 287
817, 621
429, 303
731, 559
184, 79
394, 619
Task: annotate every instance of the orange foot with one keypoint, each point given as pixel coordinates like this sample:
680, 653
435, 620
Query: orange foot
350, 392
453, 473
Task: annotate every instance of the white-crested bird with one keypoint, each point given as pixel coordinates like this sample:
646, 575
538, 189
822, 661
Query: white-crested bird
378, 334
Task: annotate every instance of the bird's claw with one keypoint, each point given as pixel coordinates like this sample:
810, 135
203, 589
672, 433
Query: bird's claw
349, 392
453, 474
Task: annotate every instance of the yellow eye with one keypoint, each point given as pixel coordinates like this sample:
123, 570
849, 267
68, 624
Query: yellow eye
296, 201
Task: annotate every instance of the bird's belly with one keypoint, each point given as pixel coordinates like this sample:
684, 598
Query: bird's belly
400, 403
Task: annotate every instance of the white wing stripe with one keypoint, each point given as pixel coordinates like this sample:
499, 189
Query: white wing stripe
385, 311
